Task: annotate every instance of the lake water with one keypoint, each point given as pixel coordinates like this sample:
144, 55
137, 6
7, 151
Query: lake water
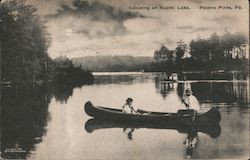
49, 123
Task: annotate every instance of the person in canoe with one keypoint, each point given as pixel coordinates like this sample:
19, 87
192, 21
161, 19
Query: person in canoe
190, 102
128, 108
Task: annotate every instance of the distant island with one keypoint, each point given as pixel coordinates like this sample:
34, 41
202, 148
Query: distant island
113, 63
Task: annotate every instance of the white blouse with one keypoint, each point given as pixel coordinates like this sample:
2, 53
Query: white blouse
128, 109
192, 102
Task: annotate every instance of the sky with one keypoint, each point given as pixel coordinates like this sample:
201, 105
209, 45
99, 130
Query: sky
128, 27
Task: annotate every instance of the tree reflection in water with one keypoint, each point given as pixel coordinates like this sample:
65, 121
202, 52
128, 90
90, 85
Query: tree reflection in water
24, 116
216, 88
62, 91
218, 92
163, 87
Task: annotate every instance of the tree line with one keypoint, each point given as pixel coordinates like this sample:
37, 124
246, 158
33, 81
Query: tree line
225, 52
113, 63
24, 48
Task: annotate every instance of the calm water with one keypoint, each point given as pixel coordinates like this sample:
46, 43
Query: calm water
48, 122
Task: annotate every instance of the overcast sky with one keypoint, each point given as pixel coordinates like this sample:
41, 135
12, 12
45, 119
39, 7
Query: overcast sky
109, 27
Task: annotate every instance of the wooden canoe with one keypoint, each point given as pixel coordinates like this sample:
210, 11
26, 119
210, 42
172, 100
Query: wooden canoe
182, 117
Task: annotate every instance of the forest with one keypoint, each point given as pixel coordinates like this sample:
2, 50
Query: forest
24, 48
225, 52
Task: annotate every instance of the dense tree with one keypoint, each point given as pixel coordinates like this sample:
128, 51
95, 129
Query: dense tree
180, 50
163, 54
213, 43
227, 51
164, 61
219, 51
64, 71
199, 49
24, 42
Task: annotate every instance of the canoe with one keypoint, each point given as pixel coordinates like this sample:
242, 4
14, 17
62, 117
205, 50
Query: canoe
93, 124
182, 117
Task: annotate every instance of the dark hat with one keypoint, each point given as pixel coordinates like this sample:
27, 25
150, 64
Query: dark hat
129, 100
188, 91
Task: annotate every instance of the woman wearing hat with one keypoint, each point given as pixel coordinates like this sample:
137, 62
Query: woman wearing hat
190, 101
128, 108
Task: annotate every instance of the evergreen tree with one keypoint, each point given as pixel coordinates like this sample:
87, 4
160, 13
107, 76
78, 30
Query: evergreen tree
24, 42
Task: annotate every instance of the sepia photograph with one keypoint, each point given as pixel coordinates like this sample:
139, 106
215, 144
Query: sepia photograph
124, 79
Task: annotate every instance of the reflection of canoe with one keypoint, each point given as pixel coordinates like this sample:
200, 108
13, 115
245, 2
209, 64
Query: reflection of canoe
181, 117
213, 130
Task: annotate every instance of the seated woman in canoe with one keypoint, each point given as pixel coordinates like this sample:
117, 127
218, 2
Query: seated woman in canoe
128, 108
190, 102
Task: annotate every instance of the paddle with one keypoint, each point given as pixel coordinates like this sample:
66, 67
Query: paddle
143, 112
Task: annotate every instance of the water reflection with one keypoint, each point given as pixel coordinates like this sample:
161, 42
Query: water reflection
223, 92
213, 130
191, 140
129, 132
210, 91
212, 76
234, 88
30, 130
24, 117
163, 87
129, 128
62, 91
217, 92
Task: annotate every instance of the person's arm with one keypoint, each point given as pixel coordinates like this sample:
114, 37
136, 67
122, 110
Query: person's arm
134, 109
186, 104
184, 100
123, 108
